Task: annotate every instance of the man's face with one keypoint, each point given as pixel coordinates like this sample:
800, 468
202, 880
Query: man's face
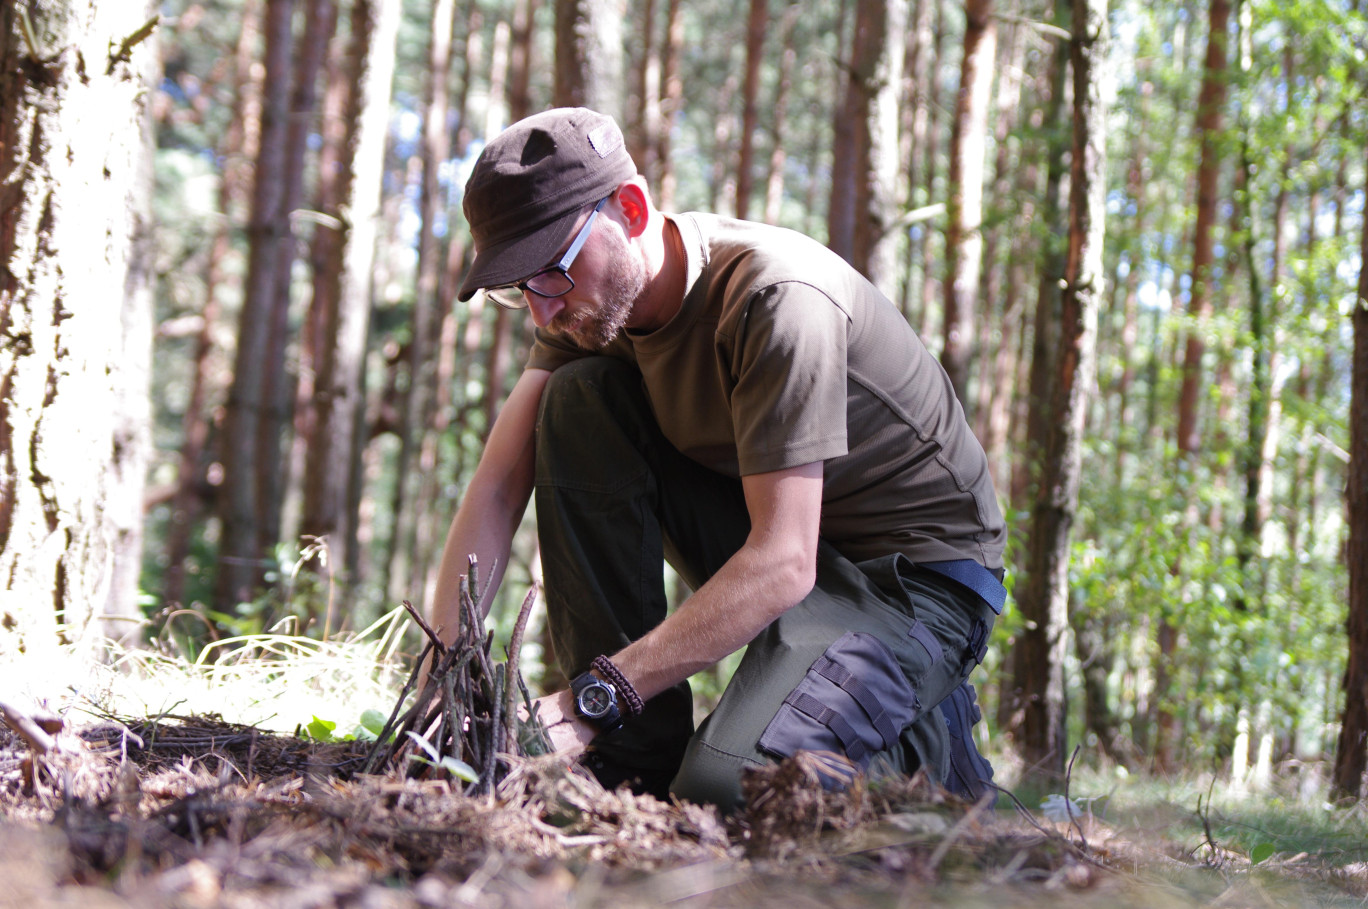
609, 277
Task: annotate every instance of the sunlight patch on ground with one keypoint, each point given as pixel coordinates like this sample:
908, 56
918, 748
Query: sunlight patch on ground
276, 682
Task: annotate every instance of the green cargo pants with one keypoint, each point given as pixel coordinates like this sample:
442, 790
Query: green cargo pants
860, 666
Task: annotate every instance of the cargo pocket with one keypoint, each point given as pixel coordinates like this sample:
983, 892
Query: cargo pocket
854, 700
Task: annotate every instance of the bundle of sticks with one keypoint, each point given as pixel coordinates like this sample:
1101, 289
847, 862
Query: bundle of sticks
464, 719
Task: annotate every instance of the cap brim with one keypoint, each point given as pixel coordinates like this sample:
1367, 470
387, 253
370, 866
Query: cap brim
519, 257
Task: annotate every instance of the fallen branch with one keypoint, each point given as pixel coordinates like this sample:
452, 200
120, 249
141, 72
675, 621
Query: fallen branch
37, 727
464, 719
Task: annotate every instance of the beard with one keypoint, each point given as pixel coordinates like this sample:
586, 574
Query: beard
596, 325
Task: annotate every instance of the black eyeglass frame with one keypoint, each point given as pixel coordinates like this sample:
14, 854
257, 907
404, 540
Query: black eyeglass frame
513, 295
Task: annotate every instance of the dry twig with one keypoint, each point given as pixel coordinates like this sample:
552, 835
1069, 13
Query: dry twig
464, 718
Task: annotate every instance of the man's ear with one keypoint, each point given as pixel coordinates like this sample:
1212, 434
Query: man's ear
635, 204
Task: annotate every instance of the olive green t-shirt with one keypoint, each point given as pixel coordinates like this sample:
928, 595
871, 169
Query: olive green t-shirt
781, 355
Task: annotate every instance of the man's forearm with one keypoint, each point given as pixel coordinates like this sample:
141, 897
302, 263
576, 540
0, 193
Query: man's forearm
774, 569
720, 618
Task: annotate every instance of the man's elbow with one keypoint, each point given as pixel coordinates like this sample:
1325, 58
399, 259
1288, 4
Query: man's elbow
796, 577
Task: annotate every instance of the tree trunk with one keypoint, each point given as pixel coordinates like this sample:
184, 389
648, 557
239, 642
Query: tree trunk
343, 292
1351, 755
416, 413
774, 184
1051, 271
880, 36
844, 169
239, 146
756, 24
930, 264
1046, 321
1260, 405
912, 135
1044, 592
1209, 107
1002, 306
71, 443
589, 67
244, 546
1130, 316
520, 61
722, 185
964, 216
671, 99
643, 115
280, 377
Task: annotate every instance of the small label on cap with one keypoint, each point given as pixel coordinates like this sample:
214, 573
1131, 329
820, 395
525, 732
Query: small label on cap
605, 140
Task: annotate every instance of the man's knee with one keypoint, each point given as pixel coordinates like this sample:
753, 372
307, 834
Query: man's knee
711, 776
586, 383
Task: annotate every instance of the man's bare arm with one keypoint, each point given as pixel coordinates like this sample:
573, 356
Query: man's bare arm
774, 569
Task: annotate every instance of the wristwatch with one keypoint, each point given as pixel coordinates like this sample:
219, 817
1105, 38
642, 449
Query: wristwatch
596, 701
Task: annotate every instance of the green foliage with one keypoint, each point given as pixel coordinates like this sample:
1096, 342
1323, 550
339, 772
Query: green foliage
454, 766
371, 724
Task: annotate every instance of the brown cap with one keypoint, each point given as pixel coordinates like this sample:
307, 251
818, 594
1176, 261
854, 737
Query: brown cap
529, 186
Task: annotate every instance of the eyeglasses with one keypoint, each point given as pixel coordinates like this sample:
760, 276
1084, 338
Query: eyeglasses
552, 281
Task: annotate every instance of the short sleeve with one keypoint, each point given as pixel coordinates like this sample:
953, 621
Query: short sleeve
788, 401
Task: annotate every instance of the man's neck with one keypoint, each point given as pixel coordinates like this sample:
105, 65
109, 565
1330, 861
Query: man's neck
664, 292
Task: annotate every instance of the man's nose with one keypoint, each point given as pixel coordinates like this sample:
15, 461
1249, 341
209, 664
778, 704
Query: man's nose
543, 309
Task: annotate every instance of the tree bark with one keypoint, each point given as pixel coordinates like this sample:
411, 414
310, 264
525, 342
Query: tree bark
71, 443
1051, 270
963, 236
1003, 308
416, 413
1260, 404
589, 66
1044, 597
280, 379
671, 99
1351, 754
929, 147
844, 167
774, 184
244, 545
1209, 119
1046, 321
520, 60
342, 292
912, 135
880, 38
1209, 124
239, 146
756, 24
643, 114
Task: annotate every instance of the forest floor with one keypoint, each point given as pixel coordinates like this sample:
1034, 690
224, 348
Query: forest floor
197, 812
141, 795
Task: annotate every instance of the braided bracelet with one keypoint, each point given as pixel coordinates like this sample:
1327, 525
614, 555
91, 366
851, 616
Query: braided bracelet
632, 703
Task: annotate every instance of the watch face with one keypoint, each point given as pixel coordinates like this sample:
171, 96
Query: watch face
595, 700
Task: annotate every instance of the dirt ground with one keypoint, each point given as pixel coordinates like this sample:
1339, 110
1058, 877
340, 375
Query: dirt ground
201, 813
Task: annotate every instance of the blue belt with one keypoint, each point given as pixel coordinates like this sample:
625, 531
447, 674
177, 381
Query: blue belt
974, 576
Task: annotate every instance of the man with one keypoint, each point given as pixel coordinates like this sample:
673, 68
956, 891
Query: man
737, 399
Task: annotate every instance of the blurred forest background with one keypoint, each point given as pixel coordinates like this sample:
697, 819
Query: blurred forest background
261, 403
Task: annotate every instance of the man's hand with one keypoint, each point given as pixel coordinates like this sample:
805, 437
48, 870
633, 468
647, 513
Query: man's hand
569, 733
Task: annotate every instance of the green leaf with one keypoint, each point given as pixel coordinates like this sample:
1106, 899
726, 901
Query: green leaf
321, 730
1260, 853
459, 769
374, 721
